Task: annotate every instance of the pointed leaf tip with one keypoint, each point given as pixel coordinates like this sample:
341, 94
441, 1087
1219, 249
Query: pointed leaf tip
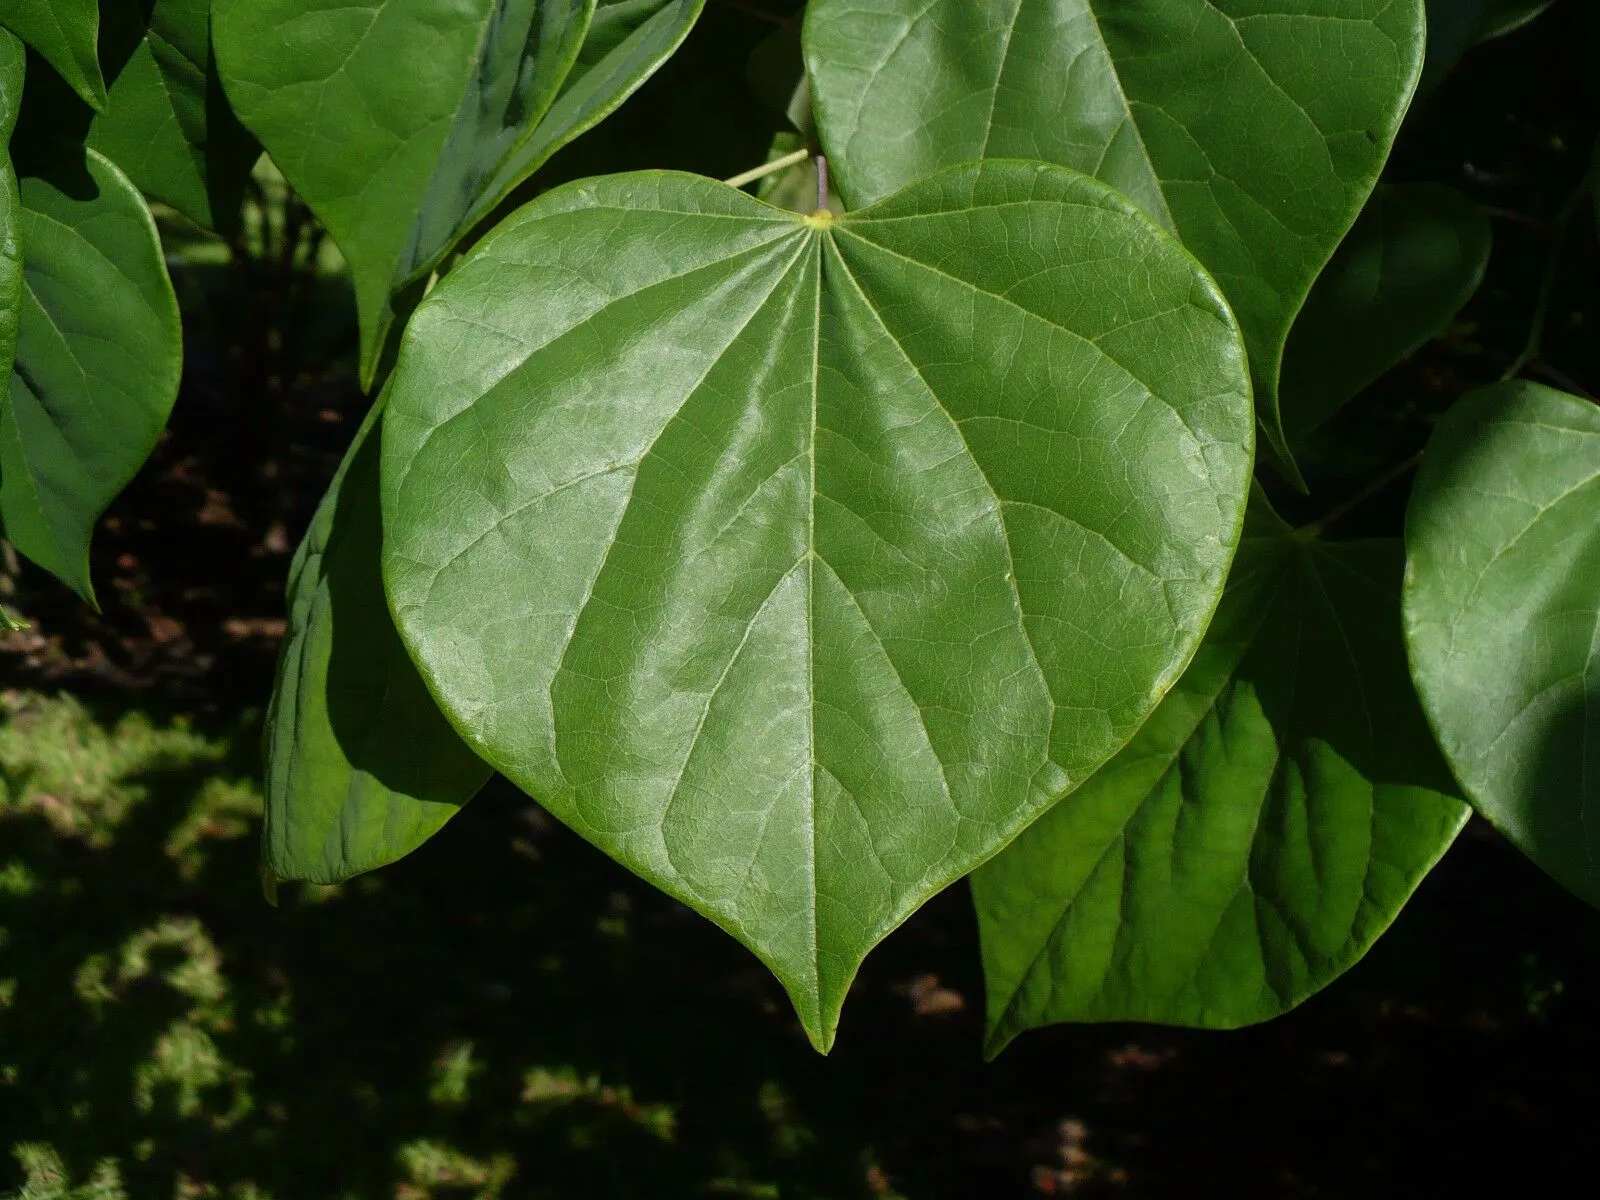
755, 560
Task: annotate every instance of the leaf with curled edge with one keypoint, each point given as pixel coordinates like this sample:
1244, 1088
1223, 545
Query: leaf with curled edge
403, 123
168, 124
361, 767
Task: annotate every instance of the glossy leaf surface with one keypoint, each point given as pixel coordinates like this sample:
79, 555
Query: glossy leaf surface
65, 33
1255, 837
362, 768
403, 123
1252, 128
798, 563
167, 124
1502, 607
1416, 255
98, 354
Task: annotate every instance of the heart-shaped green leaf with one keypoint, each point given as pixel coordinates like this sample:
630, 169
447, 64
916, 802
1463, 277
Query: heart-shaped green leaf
362, 768
167, 124
1415, 256
1255, 837
1254, 129
99, 349
1502, 610
799, 562
66, 34
404, 123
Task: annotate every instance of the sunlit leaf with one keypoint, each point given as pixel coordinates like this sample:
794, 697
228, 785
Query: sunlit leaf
98, 354
1255, 837
1502, 611
799, 562
404, 122
361, 766
1254, 129
1416, 255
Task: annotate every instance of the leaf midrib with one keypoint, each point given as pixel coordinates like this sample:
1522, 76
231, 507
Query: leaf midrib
1019, 611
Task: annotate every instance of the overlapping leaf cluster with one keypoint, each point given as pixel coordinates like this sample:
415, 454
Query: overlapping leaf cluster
89, 332
801, 560
404, 124
808, 556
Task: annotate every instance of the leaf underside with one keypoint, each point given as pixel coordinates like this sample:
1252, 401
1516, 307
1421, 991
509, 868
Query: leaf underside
403, 123
799, 563
1502, 610
167, 124
362, 768
1253, 129
1258, 833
